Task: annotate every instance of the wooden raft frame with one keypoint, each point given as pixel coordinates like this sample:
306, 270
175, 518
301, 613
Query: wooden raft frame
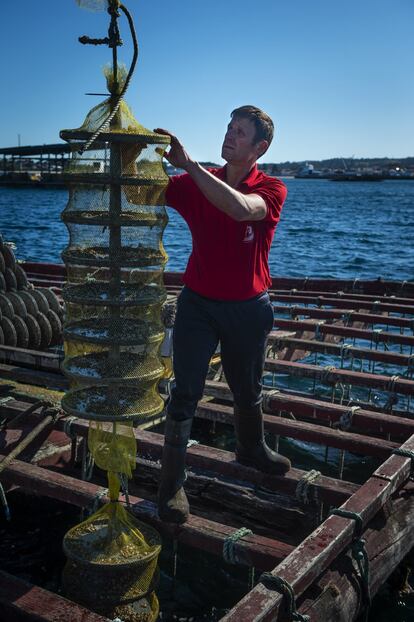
321, 313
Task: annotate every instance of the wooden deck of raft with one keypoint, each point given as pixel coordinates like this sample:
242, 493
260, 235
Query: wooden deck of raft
294, 536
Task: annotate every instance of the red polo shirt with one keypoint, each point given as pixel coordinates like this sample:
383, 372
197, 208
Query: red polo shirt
229, 260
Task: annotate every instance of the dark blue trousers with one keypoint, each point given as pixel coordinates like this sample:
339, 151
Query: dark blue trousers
241, 328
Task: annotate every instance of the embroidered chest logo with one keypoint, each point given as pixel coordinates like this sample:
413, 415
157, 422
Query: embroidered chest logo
248, 234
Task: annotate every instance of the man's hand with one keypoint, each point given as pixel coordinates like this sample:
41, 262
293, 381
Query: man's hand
177, 155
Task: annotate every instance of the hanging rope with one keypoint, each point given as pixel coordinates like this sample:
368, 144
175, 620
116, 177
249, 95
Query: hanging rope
67, 427
359, 554
326, 373
346, 419
4, 503
392, 398
106, 123
229, 554
303, 487
273, 582
267, 398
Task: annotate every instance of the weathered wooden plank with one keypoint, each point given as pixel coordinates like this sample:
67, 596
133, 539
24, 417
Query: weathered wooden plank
220, 462
21, 601
326, 347
201, 533
376, 287
35, 359
345, 314
378, 381
375, 422
345, 303
355, 443
387, 540
352, 296
313, 556
344, 331
32, 376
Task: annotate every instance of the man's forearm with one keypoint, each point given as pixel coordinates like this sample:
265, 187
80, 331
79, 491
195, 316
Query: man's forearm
228, 200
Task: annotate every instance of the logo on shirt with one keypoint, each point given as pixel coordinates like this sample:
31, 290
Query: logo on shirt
248, 234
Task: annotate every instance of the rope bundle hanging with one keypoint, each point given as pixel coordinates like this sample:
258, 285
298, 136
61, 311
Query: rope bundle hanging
273, 582
359, 554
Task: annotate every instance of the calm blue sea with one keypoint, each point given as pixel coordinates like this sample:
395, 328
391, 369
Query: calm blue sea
327, 229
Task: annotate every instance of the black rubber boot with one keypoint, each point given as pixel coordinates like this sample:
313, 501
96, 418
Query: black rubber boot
251, 448
172, 501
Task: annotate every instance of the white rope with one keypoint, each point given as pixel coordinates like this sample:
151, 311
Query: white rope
303, 486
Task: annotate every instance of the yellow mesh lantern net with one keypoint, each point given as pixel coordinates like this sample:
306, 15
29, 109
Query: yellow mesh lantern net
113, 332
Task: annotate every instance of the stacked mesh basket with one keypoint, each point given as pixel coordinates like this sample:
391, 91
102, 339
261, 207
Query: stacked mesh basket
115, 260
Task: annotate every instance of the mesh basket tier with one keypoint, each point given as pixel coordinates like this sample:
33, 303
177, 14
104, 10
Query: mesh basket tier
101, 368
126, 257
121, 331
137, 275
106, 294
139, 218
113, 403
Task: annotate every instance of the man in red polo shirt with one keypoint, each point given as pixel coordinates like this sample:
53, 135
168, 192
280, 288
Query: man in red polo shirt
232, 213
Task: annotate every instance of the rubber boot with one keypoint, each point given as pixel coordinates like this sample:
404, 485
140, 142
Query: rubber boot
172, 501
251, 448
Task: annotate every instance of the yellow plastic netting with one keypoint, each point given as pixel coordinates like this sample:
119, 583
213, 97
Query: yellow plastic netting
112, 336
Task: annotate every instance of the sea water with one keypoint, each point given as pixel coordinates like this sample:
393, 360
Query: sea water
327, 229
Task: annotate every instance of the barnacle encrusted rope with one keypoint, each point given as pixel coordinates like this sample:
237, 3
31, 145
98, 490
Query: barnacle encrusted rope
303, 486
109, 118
229, 555
273, 582
359, 553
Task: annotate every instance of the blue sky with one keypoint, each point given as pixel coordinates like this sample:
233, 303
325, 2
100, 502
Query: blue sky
336, 77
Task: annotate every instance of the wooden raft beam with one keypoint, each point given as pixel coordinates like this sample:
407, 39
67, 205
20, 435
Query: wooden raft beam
387, 540
314, 555
344, 331
374, 381
305, 407
218, 461
349, 295
345, 303
21, 601
251, 550
355, 443
325, 347
343, 314
36, 359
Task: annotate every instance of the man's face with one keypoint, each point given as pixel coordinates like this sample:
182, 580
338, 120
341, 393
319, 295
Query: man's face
239, 144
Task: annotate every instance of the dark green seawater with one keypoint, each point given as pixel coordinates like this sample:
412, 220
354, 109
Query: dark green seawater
359, 230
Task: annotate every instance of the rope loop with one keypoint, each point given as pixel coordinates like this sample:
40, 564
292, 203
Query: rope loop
359, 553
318, 334
376, 335
273, 582
229, 554
67, 427
391, 383
406, 453
346, 419
326, 373
303, 487
267, 398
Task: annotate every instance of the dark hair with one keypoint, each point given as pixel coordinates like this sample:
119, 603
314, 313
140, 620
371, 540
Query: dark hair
262, 122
